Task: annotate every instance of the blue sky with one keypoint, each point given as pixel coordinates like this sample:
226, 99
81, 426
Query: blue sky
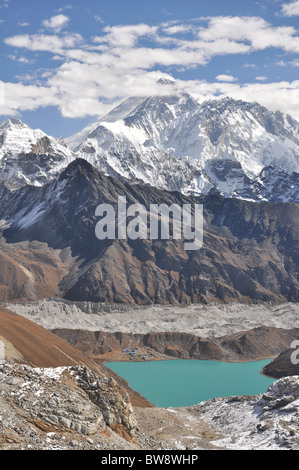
64, 64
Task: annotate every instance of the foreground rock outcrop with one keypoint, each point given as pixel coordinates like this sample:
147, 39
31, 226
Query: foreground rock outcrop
63, 408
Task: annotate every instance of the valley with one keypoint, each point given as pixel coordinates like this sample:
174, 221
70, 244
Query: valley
227, 332
57, 395
72, 303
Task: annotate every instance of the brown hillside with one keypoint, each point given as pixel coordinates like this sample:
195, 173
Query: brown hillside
28, 343
37, 346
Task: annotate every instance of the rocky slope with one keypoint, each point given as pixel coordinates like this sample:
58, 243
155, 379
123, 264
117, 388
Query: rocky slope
262, 422
66, 408
27, 343
250, 250
52, 396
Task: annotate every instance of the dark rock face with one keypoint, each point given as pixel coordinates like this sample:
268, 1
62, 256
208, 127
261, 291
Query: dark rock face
282, 365
250, 251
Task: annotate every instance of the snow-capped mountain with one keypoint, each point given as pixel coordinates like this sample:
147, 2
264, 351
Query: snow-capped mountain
176, 143
30, 156
224, 146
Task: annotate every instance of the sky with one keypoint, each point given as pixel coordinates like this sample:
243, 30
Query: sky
65, 64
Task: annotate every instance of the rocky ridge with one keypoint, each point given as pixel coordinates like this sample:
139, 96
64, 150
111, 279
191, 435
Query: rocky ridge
263, 422
256, 344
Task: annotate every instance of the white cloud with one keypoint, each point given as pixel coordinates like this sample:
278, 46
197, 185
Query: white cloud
261, 78
22, 60
292, 63
99, 18
19, 97
5, 4
254, 31
290, 9
126, 36
281, 63
43, 42
126, 60
66, 7
178, 28
56, 23
225, 78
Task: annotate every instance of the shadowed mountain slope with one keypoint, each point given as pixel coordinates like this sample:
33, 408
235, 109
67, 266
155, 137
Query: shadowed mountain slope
250, 250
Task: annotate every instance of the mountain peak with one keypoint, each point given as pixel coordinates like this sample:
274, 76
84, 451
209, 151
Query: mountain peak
166, 81
12, 123
79, 166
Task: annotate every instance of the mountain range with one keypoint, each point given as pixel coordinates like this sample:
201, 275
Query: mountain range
228, 147
175, 143
239, 160
49, 247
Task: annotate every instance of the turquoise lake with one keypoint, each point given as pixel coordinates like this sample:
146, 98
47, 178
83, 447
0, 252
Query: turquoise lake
177, 383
